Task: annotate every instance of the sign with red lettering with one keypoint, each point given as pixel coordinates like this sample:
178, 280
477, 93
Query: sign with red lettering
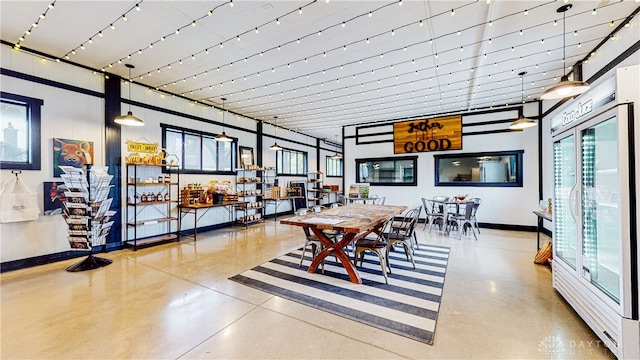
424, 135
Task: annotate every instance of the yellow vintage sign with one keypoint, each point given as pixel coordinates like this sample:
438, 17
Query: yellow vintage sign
141, 147
423, 135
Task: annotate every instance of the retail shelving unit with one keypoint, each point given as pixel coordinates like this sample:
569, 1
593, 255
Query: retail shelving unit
314, 188
152, 199
249, 188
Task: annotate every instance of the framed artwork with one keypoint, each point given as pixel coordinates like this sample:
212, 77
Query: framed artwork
246, 156
76, 153
54, 197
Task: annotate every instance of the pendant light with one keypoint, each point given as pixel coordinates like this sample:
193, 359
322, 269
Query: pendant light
522, 122
129, 119
223, 137
275, 146
565, 88
336, 156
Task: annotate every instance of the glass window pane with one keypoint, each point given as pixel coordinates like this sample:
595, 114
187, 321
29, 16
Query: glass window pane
173, 141
387, 171
209, 154
192, 153
15, 133
480, 169
299, 164
565, 233
286, 162
225, 156
600, 206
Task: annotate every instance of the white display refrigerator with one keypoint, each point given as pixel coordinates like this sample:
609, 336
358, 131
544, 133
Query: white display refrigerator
595, 210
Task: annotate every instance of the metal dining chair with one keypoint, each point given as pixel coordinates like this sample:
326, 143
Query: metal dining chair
476, 205
464, 220
404, 235
435, 214
376, 244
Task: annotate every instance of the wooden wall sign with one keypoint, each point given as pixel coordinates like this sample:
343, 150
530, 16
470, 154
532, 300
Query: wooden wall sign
423, 135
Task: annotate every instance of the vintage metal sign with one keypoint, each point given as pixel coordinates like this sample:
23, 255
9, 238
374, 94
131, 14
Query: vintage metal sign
138, 147
424, 135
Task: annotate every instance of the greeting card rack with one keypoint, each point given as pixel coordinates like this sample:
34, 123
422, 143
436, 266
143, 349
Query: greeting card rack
87, 212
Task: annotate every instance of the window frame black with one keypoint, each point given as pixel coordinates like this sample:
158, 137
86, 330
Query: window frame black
414, 159
202, 134
279, 160
341, 167
519, 171
34, 113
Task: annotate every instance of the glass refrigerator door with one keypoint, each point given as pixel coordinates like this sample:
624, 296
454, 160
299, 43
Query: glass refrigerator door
566, 228
601, 229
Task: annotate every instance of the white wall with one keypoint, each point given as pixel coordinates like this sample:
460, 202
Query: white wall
500, 205
65, 114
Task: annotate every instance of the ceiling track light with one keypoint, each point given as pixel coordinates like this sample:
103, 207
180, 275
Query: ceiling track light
223, 137
564, 88
129, 119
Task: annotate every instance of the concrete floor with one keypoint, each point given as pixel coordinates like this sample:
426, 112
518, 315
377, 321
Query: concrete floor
175, 301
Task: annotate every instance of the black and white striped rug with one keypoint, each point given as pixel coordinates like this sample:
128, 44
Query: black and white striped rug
407, 306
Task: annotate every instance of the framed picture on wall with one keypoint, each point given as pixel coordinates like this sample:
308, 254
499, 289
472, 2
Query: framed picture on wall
76, 153
246, 156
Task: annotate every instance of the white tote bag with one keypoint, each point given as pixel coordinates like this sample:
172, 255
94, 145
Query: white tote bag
17, 203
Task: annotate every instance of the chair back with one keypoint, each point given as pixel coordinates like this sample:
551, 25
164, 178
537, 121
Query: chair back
476, 205
409, 222
335, 205
382, 237
468, 210
438, 204
318, 208
380, 201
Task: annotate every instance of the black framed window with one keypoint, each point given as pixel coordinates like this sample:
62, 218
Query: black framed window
334, 167
199, 152
489, 169
20, 137
291, 162
394, 171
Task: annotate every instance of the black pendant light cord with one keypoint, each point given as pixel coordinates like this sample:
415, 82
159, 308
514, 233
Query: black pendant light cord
129, 66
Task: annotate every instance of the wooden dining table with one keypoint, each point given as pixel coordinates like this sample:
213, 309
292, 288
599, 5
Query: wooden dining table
355, 221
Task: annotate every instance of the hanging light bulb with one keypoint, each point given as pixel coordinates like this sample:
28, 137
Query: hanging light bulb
336, 156
564, 88
129, 119
522, 122
275, 146
223, 137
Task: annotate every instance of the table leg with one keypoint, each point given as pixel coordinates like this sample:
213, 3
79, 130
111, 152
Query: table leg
335, 248
539, 226
195, 224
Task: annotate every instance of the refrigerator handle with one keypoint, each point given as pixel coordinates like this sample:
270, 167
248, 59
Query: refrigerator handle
573, 203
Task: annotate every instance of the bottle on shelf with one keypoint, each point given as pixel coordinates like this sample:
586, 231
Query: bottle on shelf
167, 196
151, 197
143, 198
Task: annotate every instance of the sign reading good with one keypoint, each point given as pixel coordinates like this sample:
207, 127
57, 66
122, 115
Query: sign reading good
425, 135
142, 147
